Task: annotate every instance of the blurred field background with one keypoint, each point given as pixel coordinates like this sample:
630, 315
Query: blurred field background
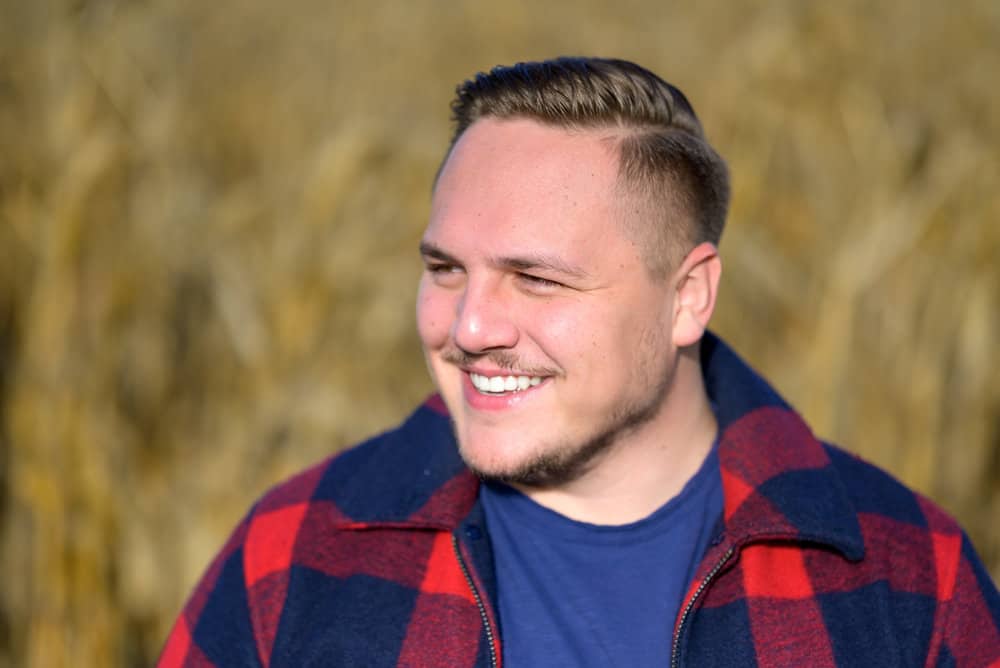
209, 215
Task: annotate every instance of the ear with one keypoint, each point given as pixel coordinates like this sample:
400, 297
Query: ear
697, 284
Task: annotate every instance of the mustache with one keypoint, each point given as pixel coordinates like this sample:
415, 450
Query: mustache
503, 359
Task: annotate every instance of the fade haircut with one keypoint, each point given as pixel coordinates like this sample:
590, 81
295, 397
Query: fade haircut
682, 184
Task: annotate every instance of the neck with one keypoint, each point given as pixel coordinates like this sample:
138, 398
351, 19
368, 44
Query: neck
649, 466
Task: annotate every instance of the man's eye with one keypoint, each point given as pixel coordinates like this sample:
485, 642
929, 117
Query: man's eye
444, 274
441, 268
538, 282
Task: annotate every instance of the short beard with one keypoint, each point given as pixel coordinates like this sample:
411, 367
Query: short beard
565, 464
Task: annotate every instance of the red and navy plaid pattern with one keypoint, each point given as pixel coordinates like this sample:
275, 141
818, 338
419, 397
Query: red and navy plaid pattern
379, 557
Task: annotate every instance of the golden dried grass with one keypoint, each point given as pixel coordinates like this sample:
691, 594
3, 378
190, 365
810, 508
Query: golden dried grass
208, 216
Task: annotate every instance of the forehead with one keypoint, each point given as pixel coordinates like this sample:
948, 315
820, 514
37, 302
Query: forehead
519, 182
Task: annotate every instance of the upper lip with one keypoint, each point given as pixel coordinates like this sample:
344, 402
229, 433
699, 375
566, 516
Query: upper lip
496, 372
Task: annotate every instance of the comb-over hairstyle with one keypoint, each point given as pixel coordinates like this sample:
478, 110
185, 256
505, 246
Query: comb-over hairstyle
664, 157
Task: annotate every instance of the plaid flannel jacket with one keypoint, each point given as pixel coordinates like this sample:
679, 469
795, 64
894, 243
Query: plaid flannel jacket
380, 557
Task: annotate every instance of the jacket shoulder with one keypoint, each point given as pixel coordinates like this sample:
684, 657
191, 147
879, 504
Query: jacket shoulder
387, 478
878, 496
911, 545
927, 560
294, 552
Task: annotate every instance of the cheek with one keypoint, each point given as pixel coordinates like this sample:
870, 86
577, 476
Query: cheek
569, 333
602, 339
435, 310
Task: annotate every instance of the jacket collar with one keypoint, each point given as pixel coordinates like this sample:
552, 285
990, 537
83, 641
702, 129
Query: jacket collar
778, 480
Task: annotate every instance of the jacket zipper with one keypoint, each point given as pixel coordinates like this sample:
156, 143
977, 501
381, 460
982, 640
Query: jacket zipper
675, 652
479, 602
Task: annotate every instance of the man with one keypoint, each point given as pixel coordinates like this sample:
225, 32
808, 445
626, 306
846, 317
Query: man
601, 482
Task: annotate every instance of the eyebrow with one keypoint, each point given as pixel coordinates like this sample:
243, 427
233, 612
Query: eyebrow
529, 262
534, 262
429, 250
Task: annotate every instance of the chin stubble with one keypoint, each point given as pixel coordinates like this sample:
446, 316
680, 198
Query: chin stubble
568, 462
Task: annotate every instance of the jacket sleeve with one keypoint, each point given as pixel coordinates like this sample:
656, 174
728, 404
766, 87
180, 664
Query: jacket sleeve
971, 615
214, 628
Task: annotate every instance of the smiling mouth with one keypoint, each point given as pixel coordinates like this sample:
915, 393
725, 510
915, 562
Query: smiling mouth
496, 385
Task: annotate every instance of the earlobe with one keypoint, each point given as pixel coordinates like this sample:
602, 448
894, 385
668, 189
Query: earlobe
697, 287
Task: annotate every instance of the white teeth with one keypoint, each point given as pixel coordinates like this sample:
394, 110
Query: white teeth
500, 384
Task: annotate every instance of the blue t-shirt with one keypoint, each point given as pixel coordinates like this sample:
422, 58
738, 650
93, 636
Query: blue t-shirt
578, 594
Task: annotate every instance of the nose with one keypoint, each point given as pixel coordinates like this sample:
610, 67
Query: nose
483, 320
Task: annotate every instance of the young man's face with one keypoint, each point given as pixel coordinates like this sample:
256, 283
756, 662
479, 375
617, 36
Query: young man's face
543, 329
